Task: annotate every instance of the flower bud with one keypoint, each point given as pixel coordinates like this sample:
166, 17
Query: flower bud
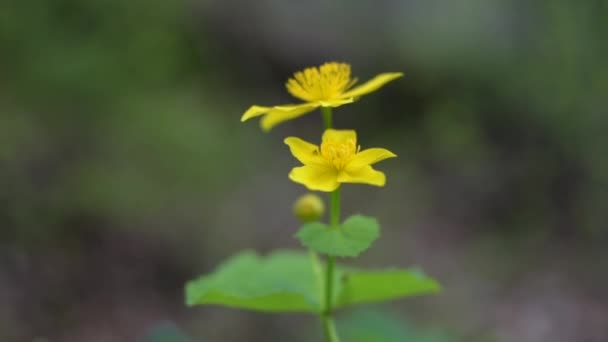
309, 208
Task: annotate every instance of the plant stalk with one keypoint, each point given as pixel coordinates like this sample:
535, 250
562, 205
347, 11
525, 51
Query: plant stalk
329, 327
327, 117
327, 316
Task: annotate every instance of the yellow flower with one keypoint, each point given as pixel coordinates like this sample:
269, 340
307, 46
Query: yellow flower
337, 160
329, 85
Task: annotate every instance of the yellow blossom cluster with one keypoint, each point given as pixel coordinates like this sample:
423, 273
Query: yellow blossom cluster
338, 159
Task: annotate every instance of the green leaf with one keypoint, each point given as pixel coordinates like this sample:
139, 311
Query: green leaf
291, 281
381, 325
351, 238
361, 286
283, 281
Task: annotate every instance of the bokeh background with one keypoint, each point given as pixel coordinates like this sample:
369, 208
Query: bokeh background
124, 169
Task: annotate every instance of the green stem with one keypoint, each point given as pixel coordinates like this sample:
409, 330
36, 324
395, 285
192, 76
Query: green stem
330, 328
328, 323
326, 315
329, 279
327, 117
334, 202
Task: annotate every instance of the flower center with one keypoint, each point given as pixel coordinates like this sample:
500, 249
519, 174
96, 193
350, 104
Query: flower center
339, 153
323, 83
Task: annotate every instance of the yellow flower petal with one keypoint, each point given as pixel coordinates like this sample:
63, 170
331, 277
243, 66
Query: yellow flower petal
315, 177
304, 151
371, 85
365, 174
370, 156
254, 111
279, 114
336, 102
339, 136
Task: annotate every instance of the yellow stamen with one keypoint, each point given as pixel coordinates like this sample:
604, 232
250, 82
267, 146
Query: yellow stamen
339, 153
323, 83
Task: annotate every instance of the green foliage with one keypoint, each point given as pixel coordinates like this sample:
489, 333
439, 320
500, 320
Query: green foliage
349, 239
361, 286
283, 281
386, 326
91, 96
286, 281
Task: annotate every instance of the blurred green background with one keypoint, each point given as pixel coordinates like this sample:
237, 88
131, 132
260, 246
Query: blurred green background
124, 169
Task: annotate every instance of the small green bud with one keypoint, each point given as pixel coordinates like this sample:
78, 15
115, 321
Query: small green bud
309, 208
